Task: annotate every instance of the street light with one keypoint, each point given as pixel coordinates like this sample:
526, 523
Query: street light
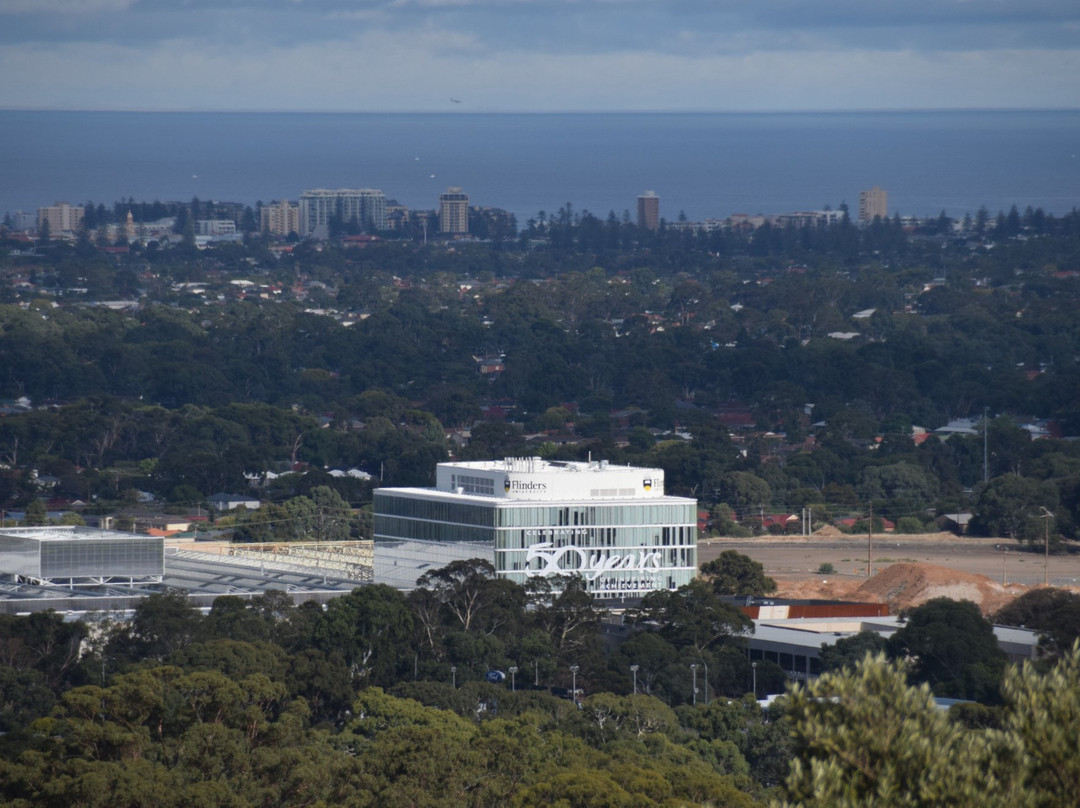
634, 670
693, 672
513, 678
453, 676
1046, 544
753, 669
573, 686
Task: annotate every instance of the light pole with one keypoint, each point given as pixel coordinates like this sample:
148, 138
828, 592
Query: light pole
693, 673
634, 670
536, 673
513, 678
1046, 544
453, 676
753, 670
573, 686
705, 665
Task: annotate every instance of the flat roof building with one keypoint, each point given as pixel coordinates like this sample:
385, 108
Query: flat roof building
611, 525
279, 218
873, 204
62, 218
79, 555
453, 211
365, 207
648, 211
795, 644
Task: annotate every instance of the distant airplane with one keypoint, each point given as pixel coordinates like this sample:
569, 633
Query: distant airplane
455, 101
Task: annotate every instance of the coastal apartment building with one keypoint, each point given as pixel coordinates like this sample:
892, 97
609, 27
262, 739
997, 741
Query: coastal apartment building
648, 211
453, 211
62, 219
873, 204
363, 206
279, 218
611, 525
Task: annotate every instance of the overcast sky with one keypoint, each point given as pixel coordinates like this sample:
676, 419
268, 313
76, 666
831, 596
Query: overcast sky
539, 55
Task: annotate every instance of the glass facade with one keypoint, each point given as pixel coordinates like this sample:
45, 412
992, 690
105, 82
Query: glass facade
621, 548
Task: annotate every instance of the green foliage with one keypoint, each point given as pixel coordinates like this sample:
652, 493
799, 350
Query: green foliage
865, 736
910, 524
951, 647
1013, 506
693, 617
1054, 613
847, 652
733, 573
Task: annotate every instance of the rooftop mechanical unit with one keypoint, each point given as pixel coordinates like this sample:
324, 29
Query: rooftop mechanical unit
80, 556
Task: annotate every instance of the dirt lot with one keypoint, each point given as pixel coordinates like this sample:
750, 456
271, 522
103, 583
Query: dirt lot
907, 569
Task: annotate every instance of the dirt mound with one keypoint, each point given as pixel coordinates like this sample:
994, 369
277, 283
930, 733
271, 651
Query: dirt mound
904, 585
828, 532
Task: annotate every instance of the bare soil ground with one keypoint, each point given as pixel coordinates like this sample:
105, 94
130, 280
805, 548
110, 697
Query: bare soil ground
906, 569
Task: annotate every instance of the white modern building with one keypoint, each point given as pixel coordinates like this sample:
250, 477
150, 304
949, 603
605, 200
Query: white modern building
611, 525
79, 555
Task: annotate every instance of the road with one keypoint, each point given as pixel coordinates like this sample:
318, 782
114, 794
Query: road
994, 558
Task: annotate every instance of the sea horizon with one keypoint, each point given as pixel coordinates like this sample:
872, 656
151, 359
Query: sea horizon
705, 164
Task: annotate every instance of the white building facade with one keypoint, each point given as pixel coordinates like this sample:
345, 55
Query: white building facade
611, 525
364, 206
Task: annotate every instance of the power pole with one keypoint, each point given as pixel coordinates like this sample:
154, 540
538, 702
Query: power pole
870, 543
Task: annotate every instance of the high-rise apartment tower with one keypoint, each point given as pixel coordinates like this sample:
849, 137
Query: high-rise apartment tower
454, 211
873, 204
364, 206
648, 211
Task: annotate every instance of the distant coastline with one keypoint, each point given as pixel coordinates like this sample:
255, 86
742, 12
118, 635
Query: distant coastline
706, 164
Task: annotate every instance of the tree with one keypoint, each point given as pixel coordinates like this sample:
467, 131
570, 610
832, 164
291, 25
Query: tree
743, 491
1054, 613
952, 648
1012, 506
693, 617
900, 489
847, 652
164, 623
1042, 711
867, 737
571, 619
36, 514
733, 573
462, 586
370, 627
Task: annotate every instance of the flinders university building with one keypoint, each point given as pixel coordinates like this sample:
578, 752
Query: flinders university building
611, 525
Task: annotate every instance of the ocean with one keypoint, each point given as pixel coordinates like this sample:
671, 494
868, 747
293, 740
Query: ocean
706, 165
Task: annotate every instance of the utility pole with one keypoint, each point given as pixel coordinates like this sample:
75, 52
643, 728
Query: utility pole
870, 543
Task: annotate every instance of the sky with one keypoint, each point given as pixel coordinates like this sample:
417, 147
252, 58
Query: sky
539, 55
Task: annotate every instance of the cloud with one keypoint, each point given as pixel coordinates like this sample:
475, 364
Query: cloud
64, 6
539, 54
